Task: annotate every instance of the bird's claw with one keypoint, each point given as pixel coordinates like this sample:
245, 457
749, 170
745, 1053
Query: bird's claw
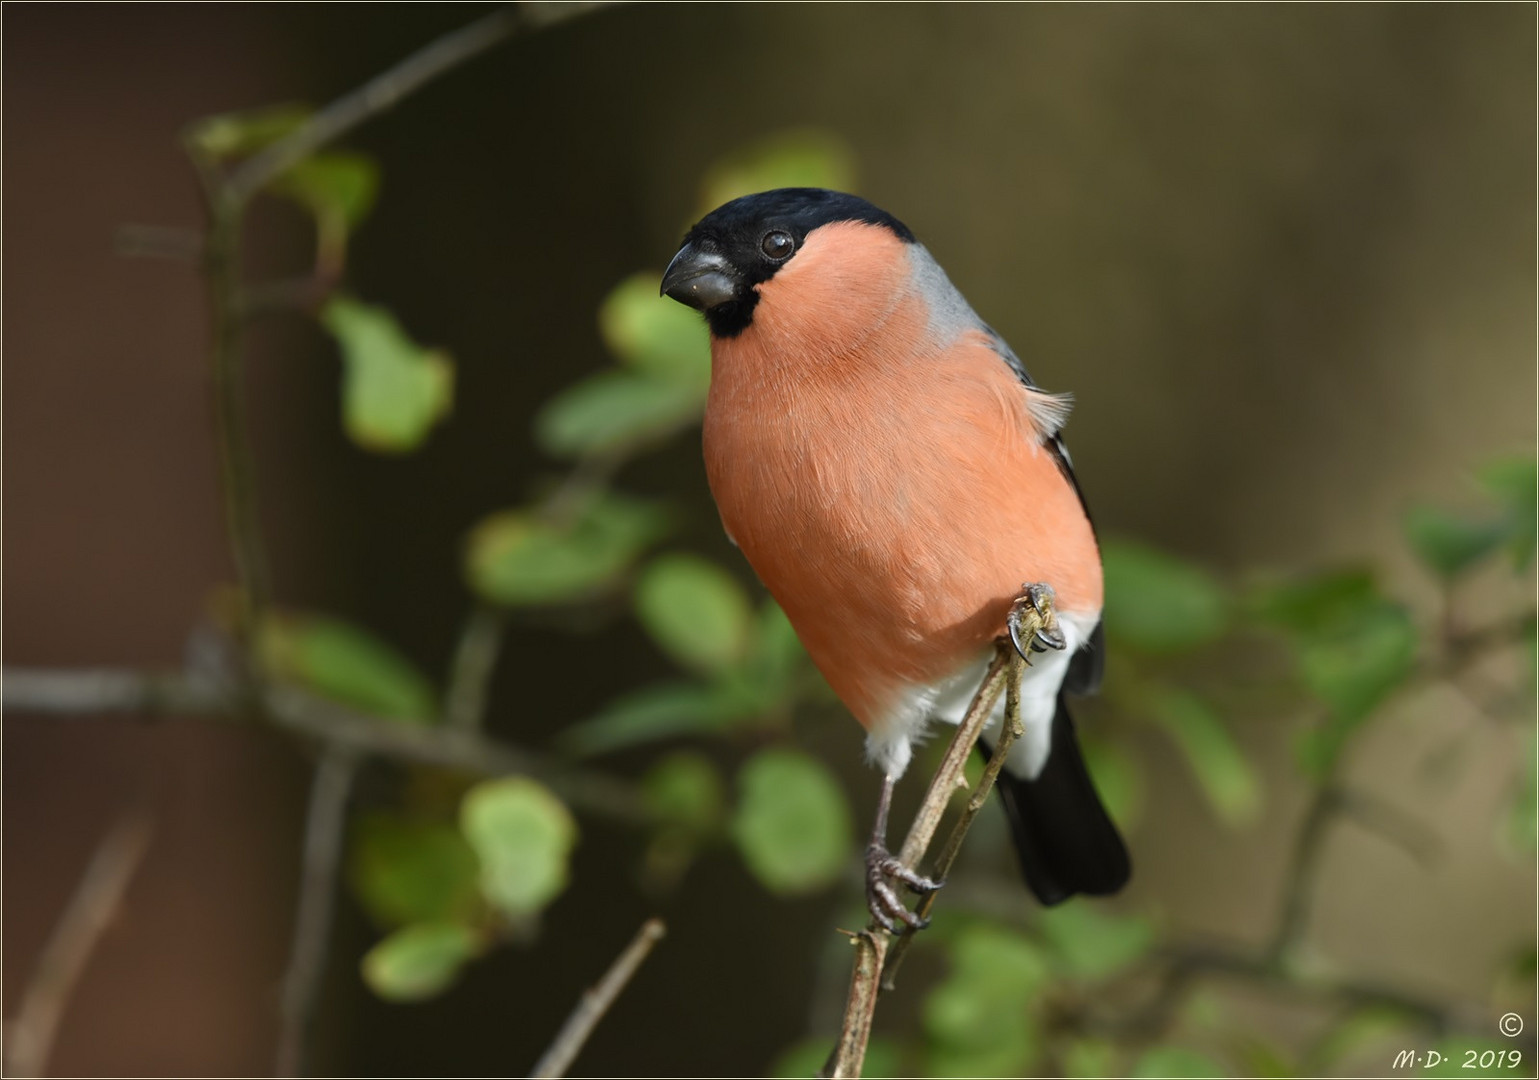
1033, 622
886, 907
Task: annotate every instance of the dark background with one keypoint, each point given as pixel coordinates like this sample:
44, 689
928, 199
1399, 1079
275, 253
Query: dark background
1283, 256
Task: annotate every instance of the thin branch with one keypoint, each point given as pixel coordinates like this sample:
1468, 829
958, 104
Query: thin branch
1010, 730
85, 692
596, 1002
64, 958
871, 944
949, 776
325, 828
470, 676
1303, 869
849, 1052
390, 87
237, 469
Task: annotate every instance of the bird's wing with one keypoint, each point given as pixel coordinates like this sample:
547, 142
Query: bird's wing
1088, 664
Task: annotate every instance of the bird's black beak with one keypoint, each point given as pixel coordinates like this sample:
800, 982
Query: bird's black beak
700, 279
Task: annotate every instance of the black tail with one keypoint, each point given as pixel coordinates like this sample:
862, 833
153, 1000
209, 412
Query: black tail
1065, 839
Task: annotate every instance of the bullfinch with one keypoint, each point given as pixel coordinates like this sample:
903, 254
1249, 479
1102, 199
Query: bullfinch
893, 475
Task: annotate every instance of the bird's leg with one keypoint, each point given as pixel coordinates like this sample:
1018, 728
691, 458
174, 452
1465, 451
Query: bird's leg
1033, 623
881, 898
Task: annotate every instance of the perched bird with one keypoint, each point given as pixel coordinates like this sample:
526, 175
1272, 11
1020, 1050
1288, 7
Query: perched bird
893, 476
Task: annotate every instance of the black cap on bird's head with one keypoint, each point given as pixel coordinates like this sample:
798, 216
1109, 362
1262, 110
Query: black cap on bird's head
743, 243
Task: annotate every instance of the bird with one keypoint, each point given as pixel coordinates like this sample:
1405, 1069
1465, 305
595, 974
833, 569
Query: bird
893, 475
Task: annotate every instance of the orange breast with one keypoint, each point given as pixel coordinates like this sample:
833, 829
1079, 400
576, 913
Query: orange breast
891, 496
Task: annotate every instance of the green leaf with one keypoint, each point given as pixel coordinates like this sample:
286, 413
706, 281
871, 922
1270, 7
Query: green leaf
653, 335
1090, 1058
524, 836
1231, 785
794, 158
1177, 1061
1091, 944
615, 409
1449, 544
393, 390
1512, 484
1355, 667
1352, 670
883, 1059
1158, 603
407, 871
234, 135
1316, 603
695, 611
778, 655
979, 1017
346, 664
336, 183
792, 823
1366, 1031
661, 711
686, 789
519, 557
419, 961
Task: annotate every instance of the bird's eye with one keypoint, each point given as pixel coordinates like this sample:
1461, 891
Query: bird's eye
777, 244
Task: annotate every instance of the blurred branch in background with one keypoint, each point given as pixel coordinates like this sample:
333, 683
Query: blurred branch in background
30, 1033
557, 1060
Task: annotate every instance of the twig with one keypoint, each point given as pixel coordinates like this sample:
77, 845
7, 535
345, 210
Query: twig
64, 957
1303, 869
871, 944
84, 692
849, 1053
237, 470
390, 87
1009, 731
596, 1002
475, 659
325, 827
948, 777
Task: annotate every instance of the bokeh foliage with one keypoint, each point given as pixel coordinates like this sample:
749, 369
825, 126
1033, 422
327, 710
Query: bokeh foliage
446, 882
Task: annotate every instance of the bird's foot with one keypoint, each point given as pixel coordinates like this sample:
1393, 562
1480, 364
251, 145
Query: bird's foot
882, 869
1033, 622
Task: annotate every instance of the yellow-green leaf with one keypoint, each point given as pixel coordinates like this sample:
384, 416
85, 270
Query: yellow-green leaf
337, 183
978, 1018
653, 335
1091, 944
419, 961
393, 390
234, 135
695, 611
347, 664
406, 871
1177, 1061
615, 409
1226, 777
795, 158
662, 711
520, 557
792, 824
524, 837
1158, 603
685, 789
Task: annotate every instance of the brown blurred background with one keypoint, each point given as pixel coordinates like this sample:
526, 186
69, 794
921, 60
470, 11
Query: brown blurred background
1283, 256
